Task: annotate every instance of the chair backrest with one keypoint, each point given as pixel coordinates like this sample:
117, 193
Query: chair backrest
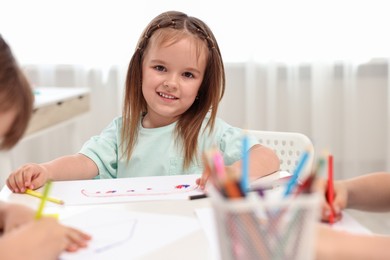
288, 146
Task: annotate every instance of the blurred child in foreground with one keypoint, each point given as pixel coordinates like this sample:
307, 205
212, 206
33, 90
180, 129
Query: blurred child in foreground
23, 237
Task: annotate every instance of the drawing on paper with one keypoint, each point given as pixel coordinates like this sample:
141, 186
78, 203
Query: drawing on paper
115, 240
148, 190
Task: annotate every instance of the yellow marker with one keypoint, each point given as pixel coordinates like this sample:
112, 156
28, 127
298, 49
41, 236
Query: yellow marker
39, 195
45, 195
52, 215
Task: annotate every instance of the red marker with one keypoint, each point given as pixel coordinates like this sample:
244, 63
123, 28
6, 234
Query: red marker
330, 192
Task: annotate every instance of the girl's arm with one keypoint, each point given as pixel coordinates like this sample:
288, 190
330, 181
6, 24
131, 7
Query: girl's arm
33, 176
262, 161
370, 192
72, 167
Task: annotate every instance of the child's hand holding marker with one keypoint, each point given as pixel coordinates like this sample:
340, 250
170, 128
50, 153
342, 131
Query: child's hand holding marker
340, 198
335, 195
207, 169
330, 190
75, 239
222, 177
229, 185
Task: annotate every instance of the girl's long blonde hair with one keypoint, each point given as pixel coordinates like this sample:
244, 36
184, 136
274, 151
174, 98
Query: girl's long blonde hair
171, 24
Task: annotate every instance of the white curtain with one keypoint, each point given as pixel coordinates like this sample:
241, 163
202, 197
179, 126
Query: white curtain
342, 107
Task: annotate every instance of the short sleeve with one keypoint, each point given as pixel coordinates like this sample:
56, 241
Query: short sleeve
231, 142
103, 150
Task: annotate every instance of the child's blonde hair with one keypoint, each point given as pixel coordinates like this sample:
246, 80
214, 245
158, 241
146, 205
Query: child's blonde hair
15, 93
170, 27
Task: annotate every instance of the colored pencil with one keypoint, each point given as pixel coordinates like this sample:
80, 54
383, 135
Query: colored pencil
40, 195
45, 195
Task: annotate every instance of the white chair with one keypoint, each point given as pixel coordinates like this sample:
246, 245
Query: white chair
288, 146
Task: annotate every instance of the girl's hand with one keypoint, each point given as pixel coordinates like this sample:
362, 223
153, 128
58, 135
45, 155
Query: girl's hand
29, 176
339, 202
205, 175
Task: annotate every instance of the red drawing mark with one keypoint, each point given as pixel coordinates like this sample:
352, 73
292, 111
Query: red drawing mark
156, 191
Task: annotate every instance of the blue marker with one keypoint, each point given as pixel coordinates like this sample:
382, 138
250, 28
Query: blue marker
245, 165
294, 178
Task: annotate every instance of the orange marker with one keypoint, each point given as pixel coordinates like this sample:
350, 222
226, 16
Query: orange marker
231, 187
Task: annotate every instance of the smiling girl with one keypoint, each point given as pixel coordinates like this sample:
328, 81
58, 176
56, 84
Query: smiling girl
174, 84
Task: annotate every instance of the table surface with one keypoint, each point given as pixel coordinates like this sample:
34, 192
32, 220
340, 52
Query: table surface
193, 245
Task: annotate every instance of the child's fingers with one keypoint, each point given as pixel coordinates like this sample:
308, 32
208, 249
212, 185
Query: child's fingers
203, 179
13, 183
319, 185
37, 182
26, 177
23, 178
206, 173
327, 210
10, 184
77, 239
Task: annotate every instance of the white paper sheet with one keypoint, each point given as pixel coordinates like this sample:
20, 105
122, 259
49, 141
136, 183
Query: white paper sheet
121, 234
85, 192
207, 222
349, 224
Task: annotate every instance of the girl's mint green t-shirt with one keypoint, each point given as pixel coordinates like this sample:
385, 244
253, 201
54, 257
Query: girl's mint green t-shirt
156, 153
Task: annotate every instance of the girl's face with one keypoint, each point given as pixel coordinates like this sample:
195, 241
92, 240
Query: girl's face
171, 77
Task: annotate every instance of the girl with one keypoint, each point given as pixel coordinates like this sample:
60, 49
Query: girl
174, 83
22, 237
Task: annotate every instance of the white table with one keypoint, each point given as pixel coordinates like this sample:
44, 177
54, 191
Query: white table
194, 244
